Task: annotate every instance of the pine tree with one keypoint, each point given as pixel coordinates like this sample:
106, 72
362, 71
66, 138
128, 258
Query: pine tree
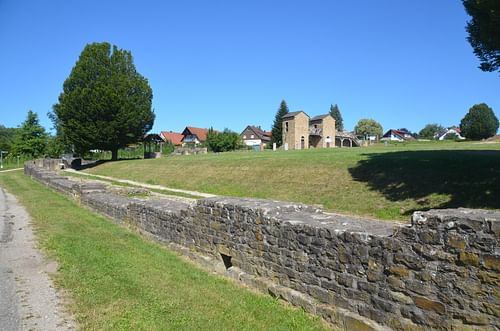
277, 129
339, 122
31, 138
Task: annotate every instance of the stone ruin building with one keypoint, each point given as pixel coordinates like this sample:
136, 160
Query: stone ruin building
302, 132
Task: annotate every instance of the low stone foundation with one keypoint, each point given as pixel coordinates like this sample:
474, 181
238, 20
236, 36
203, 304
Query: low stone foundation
189, 151
440, 272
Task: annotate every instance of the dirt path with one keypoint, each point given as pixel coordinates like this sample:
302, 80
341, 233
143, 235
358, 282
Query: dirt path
28, 299
150, 186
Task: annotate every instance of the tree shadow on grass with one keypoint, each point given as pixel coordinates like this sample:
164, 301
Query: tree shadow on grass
470, 178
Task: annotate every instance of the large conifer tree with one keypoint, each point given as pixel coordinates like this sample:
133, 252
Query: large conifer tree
278, 124
30, 138
339, 122
105, 103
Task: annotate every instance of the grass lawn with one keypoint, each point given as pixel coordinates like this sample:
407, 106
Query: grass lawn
387, 182
118, 281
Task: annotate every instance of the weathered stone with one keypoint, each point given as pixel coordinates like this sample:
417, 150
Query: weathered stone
428, 304
346, 280
475, 319
320, 294
491, 262
454, 240
374, 276
418, 287
467, 258
399, 270
395, 283
414, 314
489, 277
492, 309
323, 272
371, 288
384, 305
410, 260
430, 237
223, 249
357, 323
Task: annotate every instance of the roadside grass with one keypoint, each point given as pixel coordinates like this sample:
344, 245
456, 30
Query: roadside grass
118, 281
383, 181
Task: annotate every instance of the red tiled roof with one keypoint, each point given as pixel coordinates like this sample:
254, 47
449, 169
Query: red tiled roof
174, 137
199, 132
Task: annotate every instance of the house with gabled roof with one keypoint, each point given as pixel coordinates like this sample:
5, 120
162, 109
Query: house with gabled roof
256, 137
194, 136
450, 133
175, 138
302, 132
397, 135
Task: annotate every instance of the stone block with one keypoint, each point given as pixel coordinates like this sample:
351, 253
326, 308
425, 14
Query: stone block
473, 319
399, 270
430, 237
428, 304
320, 294
410, 260
491, 262
456, 241
418, 287
395, 283
468, 258
383, 305
492, 278
371, 288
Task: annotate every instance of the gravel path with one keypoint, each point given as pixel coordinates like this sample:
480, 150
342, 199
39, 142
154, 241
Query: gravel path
150, 186
28, 299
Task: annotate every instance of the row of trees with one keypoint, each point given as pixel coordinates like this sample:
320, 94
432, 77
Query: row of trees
29, 140
479, 123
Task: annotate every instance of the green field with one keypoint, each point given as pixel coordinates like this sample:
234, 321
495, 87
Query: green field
118, 281
387, 182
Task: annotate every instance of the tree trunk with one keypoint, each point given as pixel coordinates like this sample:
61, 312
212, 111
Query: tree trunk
114, 154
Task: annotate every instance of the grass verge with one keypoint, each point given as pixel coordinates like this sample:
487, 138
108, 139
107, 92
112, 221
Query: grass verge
118, 281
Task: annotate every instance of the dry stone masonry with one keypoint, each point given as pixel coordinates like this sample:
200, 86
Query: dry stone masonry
440, 272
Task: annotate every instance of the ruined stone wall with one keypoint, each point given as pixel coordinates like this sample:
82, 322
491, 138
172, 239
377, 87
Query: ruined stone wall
440, 272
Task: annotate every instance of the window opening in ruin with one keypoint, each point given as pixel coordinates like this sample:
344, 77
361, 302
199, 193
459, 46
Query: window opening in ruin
227, 260
286, 126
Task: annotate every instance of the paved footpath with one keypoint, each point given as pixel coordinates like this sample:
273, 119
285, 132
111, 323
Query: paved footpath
28, 299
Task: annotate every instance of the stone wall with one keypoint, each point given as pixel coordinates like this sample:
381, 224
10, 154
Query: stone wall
441, 271
189, 151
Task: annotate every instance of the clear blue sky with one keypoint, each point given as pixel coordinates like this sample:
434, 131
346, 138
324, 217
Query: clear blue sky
230, 63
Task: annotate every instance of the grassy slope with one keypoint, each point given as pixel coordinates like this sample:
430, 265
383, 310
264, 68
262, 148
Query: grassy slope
117, 281
387, 182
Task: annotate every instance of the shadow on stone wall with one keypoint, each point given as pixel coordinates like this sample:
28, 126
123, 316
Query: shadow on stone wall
470, 178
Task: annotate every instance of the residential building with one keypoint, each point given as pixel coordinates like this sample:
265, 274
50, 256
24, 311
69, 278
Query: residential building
194, 136
256, 137
175, 138
450, 133
397, 135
